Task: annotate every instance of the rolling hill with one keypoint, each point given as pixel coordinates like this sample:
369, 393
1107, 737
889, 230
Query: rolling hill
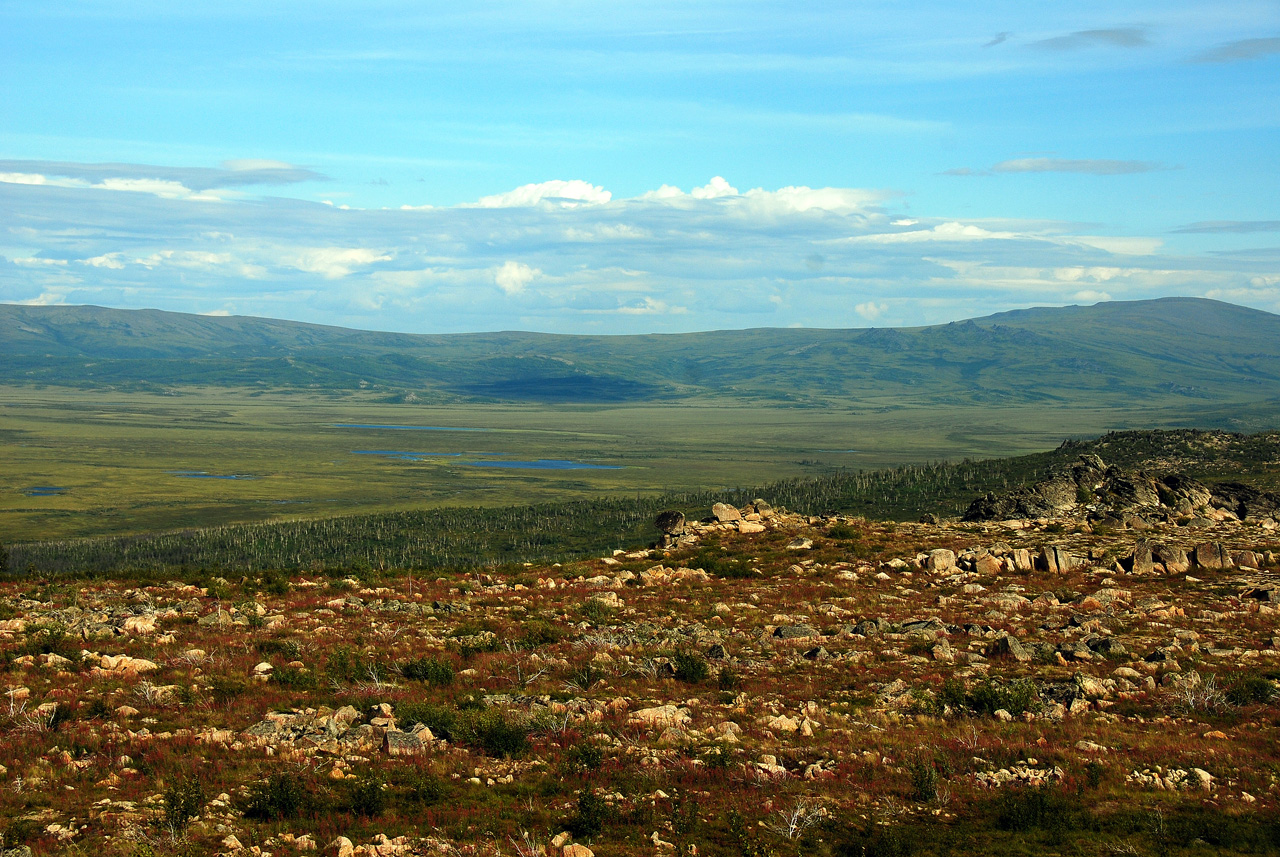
1161, 353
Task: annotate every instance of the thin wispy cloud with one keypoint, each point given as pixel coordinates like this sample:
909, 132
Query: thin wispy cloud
1089, 166
1084, 166
1238, 227
1120, 37
1244, 49
232, 174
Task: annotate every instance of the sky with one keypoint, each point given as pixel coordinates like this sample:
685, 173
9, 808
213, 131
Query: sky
617, 167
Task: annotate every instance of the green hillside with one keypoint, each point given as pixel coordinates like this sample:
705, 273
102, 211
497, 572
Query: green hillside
1161, 353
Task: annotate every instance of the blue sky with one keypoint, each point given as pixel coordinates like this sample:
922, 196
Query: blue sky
621, 168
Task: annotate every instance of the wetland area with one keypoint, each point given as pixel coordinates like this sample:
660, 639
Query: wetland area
79, 463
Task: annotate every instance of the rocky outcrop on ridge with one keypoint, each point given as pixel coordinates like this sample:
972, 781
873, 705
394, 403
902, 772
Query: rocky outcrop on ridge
1121, 497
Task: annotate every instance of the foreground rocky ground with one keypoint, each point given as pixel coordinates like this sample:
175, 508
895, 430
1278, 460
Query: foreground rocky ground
767, 684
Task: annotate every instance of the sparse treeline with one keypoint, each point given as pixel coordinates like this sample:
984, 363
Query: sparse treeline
477, 536
552, 532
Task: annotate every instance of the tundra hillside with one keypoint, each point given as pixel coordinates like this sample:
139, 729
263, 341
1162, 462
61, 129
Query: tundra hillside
1101, 679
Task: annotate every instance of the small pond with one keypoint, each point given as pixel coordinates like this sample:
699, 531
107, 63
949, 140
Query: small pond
44, 491
405, 456
200, 474
543, 464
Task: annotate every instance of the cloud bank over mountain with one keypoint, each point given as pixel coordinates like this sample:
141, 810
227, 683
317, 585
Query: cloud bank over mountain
562, 255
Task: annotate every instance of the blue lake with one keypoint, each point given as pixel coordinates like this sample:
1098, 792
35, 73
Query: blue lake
44, 491
405, 456
407, 428
543, 464
200, 474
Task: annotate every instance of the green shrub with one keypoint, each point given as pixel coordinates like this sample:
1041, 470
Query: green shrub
1250, 689
368, 796
425, 789
294, 678
438, 718
924, 781
690, 668
224, 689
584, 757
281, 796
433, 671
592, 815
992, 694
183, 800
727, 679
1043, 807
595, 611
878, 841
290, 650
538, 634
494, 733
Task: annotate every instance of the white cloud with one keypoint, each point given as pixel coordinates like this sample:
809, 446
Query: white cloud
106, 260
513, 276
662, 261
564, 193
334, 263
790, 200
252, 164
23, 178
45, 299
870, 310
607, 232
33, 261
949, 231
1091, 296
714, 189
650, 306
1120, 245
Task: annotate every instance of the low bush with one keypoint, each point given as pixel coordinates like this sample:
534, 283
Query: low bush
183, 800
538, 634
592, 815
1249, 690
282, 795
690, 668
367, 796
584, 757
432, 671
294, 678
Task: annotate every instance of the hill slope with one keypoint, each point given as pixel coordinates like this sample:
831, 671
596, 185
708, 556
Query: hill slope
1172, 351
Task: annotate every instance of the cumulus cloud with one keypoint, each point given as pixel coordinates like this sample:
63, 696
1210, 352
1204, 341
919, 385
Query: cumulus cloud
513, 276
556, 192
1244, 49
870, 310
1120, 37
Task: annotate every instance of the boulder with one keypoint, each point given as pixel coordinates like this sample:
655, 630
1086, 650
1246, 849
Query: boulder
1012, 647
1056, 560
1212, 555
670, 523
941, 560
725, 514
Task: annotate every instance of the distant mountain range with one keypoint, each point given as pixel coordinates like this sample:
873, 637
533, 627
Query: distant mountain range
1171, 352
